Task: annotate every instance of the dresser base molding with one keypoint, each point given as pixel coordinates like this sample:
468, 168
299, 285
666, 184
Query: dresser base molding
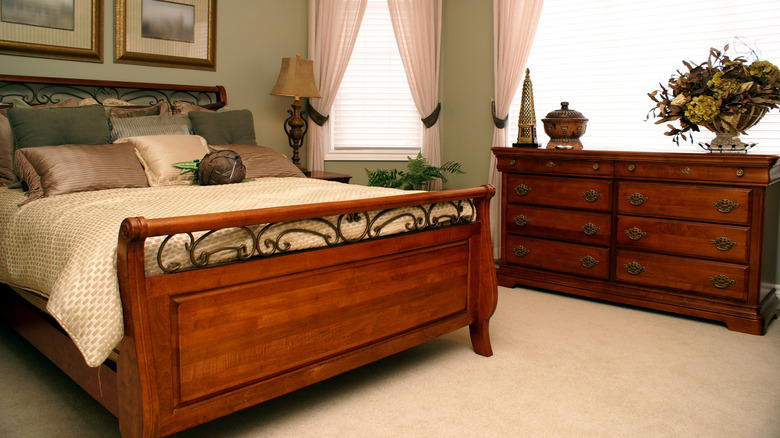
741, 318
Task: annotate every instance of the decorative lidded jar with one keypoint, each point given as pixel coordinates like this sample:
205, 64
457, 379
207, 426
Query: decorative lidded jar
565, 127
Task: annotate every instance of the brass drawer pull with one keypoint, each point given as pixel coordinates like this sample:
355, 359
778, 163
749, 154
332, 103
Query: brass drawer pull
588, 262
721, 281
596, 166
521, 220
687, 170
723, 243
520, 251
550, 164
589, 229
631, 168
634, 268
636, 199
522, 190
635, 233
740, 172
591, 195
725, 206
512, 162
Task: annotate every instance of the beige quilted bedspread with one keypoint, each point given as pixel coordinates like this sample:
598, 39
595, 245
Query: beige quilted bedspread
64, 247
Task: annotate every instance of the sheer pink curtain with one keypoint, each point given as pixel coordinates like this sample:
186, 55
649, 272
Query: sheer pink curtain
333, 28
514, 26
417, 28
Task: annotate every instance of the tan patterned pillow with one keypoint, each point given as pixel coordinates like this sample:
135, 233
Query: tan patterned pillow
157, 154
56, 170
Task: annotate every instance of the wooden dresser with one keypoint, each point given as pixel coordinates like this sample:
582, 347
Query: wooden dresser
691, 233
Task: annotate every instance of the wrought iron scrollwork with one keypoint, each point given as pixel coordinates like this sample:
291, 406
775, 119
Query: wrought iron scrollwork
276, 238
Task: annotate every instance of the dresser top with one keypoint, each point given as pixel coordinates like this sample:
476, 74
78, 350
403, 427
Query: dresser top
689, 154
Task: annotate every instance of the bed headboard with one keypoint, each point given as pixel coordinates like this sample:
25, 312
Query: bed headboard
38, 90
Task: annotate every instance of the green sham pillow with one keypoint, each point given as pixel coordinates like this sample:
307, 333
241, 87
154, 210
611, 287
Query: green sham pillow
33, 127
226, 127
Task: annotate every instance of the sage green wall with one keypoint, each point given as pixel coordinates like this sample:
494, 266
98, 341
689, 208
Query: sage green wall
252, 39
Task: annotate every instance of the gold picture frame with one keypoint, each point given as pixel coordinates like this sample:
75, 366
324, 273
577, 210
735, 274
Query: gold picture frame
143, 33
66, 29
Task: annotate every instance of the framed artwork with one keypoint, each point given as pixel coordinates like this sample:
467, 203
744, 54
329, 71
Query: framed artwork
167, 33
67, 29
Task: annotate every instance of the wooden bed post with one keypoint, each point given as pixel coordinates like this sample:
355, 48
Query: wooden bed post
138, 404
488, 284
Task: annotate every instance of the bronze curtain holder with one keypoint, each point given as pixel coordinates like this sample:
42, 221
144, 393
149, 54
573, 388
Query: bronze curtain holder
500, 123
432, 118
315, 115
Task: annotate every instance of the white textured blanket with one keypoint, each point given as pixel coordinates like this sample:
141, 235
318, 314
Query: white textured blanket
64, 247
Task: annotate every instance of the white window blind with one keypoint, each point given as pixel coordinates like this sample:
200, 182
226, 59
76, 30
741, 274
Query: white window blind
603, 57
374, 116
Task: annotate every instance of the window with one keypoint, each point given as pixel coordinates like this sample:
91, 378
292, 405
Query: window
603, 57
374, 117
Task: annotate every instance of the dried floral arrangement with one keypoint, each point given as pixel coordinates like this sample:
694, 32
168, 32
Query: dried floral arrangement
716, 94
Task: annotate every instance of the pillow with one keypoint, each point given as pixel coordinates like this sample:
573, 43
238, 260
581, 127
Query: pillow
262, 161
56, 170
7, 175
6, 151
151, 125
34, 127
157, 154
185, 107
160, 109
229, 127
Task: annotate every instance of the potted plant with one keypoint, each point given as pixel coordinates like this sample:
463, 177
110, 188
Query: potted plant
418, 172
727, 96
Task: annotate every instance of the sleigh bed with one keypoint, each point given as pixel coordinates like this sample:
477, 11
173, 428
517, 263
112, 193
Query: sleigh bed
238, 293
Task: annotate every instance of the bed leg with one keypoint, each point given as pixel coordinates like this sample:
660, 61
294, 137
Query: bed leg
480, 338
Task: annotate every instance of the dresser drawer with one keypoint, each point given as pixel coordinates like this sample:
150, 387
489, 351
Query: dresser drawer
579, 193
554, 223
557, 166
569, 258
697, 239
721, 280
691, 172
707, 203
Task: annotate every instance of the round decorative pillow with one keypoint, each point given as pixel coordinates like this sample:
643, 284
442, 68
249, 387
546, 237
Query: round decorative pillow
221, 167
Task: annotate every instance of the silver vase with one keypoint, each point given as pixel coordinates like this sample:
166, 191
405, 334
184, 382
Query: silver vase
728, 127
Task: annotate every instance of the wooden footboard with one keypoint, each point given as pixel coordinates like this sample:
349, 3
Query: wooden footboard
203, 343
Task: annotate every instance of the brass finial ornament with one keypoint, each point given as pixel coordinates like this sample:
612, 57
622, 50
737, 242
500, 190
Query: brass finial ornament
526, 123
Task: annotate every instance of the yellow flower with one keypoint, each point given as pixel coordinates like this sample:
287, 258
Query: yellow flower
702, 110
761, 70
721, 86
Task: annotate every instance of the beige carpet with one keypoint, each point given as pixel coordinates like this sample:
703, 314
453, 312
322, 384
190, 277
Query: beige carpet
563, 367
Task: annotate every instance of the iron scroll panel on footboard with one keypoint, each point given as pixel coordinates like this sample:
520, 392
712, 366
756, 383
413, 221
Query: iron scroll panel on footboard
418, 216
213, 247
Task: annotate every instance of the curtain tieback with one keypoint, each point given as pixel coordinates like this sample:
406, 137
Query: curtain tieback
433, 117
315, 116
500, 123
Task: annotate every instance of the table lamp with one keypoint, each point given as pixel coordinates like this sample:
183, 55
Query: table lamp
296, 78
